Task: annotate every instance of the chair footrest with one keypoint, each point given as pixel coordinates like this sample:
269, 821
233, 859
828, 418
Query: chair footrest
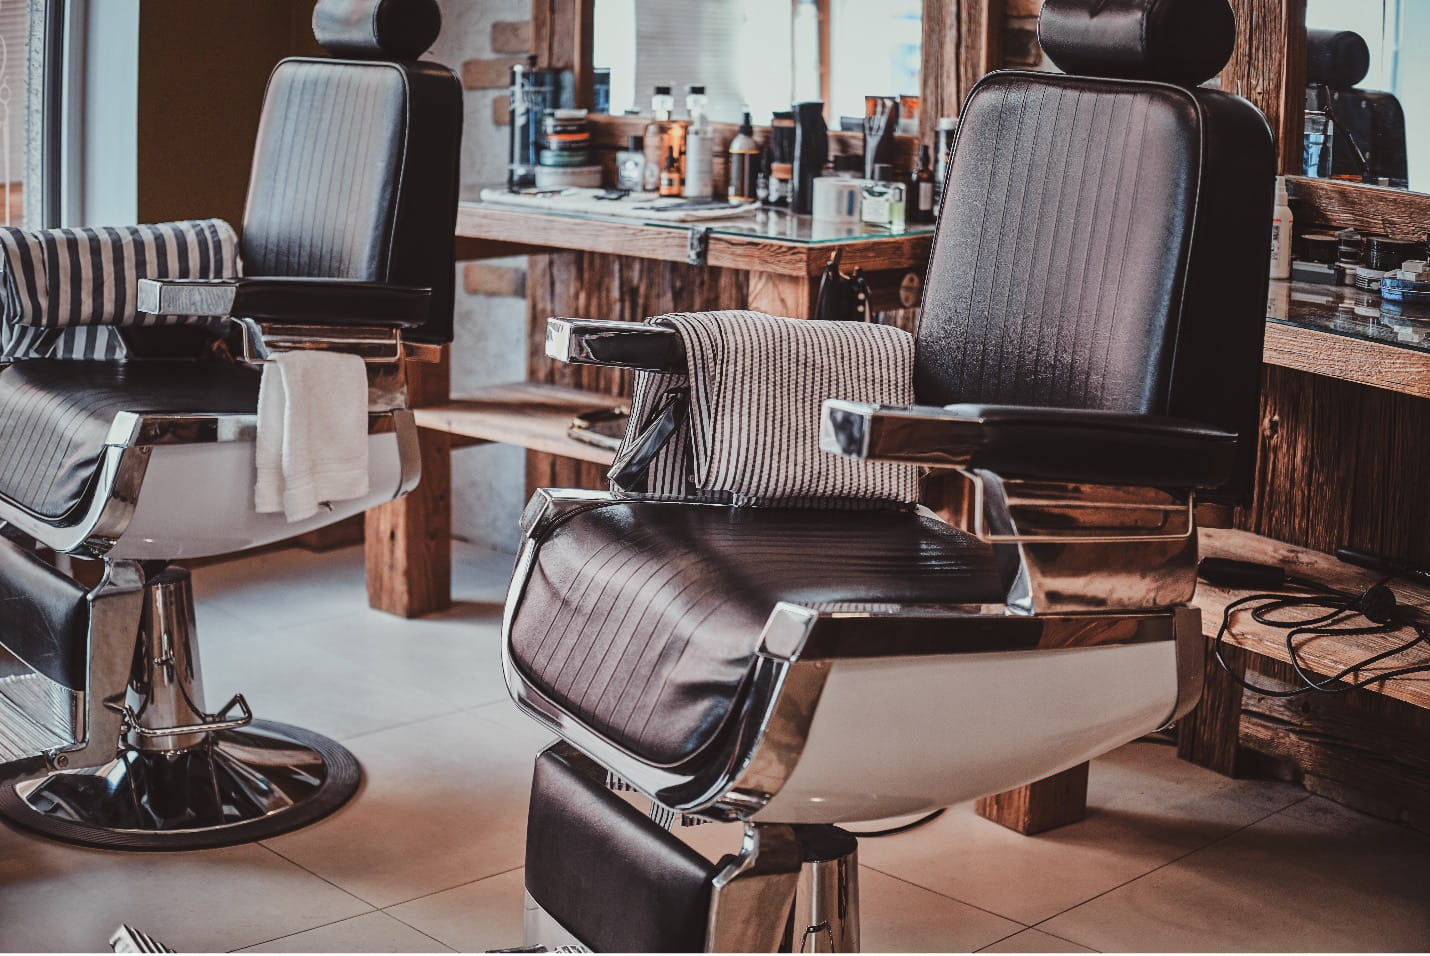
46, 619
36, 717
612, 878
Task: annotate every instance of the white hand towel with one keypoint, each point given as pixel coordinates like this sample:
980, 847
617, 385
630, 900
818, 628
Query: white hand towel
312, 432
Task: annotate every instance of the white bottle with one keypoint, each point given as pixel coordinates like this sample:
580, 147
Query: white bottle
1281, 223
699, 147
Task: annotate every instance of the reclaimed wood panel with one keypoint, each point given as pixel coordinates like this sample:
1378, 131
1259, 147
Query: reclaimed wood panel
1348, 359
1398, 213
408, 550
1341, 464
1044, 805
529, 414
1268, 68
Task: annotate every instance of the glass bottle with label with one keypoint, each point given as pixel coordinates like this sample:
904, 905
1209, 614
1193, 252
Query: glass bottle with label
921, 206
662, 106
883, 199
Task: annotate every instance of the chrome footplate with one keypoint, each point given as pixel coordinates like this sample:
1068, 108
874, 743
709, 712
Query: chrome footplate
37, 716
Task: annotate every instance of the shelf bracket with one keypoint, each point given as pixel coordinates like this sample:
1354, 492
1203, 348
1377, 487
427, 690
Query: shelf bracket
698, 246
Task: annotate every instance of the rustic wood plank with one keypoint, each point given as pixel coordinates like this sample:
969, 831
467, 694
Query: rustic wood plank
530, 414
409, 541
1267, 67
1348, 359
1341, 464
790, 296
1051, 802
1208, 736
1321, 655
1398, 213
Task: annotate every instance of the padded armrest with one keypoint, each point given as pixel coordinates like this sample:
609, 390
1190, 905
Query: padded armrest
289, 300
616, 344
1049, 444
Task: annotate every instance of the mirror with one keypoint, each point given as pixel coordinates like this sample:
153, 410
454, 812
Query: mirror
1366, 116
760, 55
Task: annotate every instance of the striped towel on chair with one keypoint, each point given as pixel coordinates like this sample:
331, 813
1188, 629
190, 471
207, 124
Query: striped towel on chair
754, 391
62, 291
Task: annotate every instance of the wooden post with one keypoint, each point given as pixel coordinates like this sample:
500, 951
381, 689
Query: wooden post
793, 297
409, 541
1209, 736
1051, 802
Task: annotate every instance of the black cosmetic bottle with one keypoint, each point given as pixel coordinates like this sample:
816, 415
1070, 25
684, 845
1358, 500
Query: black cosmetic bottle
811, 152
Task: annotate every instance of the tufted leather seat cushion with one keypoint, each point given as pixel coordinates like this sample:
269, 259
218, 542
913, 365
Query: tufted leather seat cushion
55, 416
641, 619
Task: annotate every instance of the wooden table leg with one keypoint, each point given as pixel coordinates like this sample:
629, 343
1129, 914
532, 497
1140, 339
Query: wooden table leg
1052, 802
793, 297
1210, 735
409, 541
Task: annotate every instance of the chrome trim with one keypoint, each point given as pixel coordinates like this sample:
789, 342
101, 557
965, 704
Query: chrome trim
826, 903
1051, 512
756, 753
1191, 660
375, 346
752, 896
211, 297
634, 345
543, 932
104, 516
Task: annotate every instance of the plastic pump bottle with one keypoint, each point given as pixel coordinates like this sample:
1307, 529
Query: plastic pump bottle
1281, 230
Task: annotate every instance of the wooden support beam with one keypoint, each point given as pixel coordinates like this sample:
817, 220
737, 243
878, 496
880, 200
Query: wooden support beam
1052, 802
409, 541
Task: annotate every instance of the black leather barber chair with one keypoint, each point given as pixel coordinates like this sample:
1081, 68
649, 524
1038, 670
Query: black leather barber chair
1087, 362
1367, 135
104, 732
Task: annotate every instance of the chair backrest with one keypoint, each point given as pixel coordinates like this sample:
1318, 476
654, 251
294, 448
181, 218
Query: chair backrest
1104, 235
355, 172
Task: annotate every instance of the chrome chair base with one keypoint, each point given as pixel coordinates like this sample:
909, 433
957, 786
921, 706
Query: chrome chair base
236, 786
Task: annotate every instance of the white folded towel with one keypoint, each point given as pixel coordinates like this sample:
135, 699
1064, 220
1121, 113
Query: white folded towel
312, 432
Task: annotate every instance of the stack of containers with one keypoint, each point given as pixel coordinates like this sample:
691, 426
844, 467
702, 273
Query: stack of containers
565, 158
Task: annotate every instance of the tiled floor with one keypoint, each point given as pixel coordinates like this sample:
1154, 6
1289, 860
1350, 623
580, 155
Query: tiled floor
428, 857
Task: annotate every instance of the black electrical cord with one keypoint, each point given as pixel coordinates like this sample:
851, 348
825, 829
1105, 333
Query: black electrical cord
903, 828
1376, 604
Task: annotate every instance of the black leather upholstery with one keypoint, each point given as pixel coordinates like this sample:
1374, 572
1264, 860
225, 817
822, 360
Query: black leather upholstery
297, 300
1338, 58
643, 617
1102, 245
55, 416
45, 615
1046, 444
1178, 41
355, 176
607, 874
389, 29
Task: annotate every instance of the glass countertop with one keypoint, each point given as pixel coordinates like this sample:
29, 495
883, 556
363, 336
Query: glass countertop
755, 223
1348, 311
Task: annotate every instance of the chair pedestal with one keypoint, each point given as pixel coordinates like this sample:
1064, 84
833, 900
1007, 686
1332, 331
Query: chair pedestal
184, 778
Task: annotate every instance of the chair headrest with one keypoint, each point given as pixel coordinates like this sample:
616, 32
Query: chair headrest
377, 29
1338, 58
1174, 41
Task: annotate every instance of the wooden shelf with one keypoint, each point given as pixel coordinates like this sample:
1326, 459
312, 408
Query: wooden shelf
529, 414
1322, 655
488, 231
1347, 358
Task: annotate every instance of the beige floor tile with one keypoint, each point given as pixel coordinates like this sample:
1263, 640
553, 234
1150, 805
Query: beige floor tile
57, 898
1034, 941
1146, 808
370, 933
898, 917
444, 804
472, 918
1315, 877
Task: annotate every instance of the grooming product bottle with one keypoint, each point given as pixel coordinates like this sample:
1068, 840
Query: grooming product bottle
762, 181
921, 206
1383, 254
699, 147
811, 152
883, 199
781, 156
744, 163
947, 133
670, 184
881, 120
566, 139
1281, 229
532, 93
662, 105
630, 165
1348, 254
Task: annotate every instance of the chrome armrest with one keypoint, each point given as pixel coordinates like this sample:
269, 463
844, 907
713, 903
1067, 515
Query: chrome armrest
632, 345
